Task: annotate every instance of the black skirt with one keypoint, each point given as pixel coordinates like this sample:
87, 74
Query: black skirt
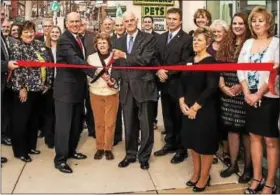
263, 120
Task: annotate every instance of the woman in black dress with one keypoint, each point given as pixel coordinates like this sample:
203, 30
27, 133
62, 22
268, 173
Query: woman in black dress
197, 98
232, 99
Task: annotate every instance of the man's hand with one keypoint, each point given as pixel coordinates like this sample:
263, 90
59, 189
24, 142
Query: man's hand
162, 75
23, 95
118, 54
191, 113
12, 65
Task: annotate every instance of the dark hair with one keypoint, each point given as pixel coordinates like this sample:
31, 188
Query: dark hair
26, 25
14, 24
228, 52
175, 11
149, 17
103, 36
201, 12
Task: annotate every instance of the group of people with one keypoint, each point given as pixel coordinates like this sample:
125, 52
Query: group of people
200, 109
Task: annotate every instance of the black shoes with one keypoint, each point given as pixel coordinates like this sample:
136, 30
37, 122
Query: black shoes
78, 156
25, 158
197, 189
229, 171
144, 165
165, 150
4, 160
99, 154
6, 141
63, 167
109, 155
191, 184
246, 176
261, 184
125, 162
179, 157
35, 152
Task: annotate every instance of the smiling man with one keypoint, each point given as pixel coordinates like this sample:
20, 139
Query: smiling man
69, 94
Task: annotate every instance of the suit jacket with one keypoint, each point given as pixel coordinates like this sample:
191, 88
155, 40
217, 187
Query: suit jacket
114, 37
4, 63
10, 41
70, 83
141, 83
177, 51
41, 38
88, 42
154, 33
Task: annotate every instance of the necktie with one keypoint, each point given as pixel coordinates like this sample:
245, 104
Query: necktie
79, 42
130, 44
169, 37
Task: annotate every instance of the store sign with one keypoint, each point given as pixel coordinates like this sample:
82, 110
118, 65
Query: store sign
154, 2
154, 11
159, 24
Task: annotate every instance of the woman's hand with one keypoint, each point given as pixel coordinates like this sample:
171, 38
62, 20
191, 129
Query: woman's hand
226, 90
192, 113
23, 95
46, 88
252, 99
184, 107
236, 89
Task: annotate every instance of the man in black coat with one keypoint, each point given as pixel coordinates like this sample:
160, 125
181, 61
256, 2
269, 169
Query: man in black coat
69, 93
174, 47
138, 90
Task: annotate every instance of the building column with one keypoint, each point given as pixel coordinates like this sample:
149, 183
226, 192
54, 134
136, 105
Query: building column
28, 10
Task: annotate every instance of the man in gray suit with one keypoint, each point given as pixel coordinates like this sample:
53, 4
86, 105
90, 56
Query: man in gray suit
6, 27
138, 90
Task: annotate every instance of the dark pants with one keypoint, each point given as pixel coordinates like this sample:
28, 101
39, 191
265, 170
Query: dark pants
155, 111
134, 111
6, 112
172, 119
69, 122
25, 123
48, 115
118, 129
89, 116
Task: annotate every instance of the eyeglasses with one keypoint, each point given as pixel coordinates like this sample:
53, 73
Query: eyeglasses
147, 22
119, 25
49, 26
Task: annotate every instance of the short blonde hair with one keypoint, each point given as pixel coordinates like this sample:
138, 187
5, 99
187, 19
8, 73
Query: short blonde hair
206, 31
220, 23
268, 17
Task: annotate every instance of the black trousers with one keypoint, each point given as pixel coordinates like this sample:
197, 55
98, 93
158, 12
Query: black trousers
25, 123
155, 111
134, 111
89, 116
6, 112
69, 122
48, 116
118, 129
172, 119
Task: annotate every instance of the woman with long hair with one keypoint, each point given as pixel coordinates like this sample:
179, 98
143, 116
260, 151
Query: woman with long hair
232, 99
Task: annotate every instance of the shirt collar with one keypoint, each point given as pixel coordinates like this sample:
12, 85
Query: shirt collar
149, 31
134, 34
175, 32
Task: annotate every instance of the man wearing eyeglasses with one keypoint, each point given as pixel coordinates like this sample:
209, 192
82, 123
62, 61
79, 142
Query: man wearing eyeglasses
47, 25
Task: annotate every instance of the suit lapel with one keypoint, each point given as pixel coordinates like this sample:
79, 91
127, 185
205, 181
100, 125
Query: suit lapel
71, 37
172, 44
137, 41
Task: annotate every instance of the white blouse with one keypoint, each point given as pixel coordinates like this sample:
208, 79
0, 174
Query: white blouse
255, 79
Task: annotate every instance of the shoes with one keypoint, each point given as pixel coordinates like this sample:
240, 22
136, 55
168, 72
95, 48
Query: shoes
246, 176
51, 146
191, 184
197, 189
126, 162
64, 168
273, 188
4, 160
6, 141
109, 155
25, 158
229, 171
179, 157
144, 165
226, 159
99, 154
78, 156
36, 152
165, 150
260, 186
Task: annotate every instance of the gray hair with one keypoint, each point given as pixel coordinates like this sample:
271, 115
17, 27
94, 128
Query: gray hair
220, 23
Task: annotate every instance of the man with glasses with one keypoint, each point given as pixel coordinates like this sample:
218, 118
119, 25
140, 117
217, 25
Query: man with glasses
47, 25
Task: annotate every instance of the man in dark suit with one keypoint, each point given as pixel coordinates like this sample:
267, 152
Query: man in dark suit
148, 23
69, 93
88, 38
138, 90
5, 66
174, 47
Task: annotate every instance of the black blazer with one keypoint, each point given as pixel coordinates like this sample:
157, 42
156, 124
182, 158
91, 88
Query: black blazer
88, 42
4, 64
177, 51
70, 83
41, 38
141, 83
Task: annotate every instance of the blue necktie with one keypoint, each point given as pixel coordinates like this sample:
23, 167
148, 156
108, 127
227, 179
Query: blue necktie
169, 37
130, 44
